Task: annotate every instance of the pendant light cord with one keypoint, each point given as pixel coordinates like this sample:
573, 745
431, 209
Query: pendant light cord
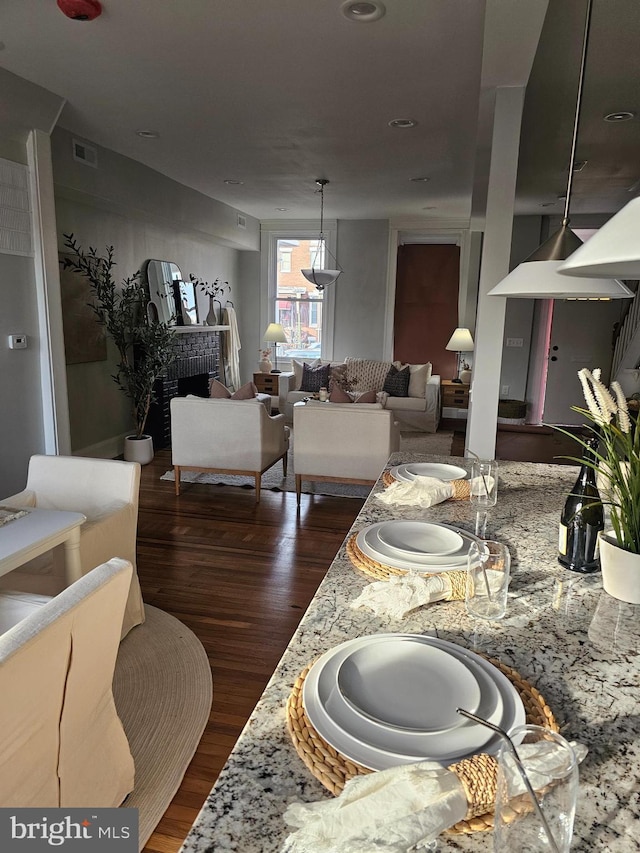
576, 122
321, 184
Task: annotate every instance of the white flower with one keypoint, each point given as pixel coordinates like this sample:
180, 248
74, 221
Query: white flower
624, 421
587, 380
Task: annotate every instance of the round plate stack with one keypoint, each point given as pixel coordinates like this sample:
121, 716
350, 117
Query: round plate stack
416, 546
391, 699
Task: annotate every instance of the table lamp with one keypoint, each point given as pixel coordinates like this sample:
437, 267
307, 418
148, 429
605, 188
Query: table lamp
275, 335
461, 341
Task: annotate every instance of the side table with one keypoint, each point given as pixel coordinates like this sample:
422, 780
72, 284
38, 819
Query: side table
267, 383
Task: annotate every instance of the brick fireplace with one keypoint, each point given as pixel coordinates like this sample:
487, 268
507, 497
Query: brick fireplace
198, 361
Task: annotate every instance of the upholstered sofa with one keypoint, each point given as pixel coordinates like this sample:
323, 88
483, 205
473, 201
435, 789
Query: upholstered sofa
418, 410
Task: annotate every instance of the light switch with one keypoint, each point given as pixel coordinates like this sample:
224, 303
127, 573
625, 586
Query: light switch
17, 341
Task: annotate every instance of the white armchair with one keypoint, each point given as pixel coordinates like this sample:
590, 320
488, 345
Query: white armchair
106, 491
343, 442
226, 437
61, 741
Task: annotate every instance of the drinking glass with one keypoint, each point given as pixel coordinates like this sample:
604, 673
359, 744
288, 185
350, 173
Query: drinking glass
553, 773
488, 566
484, 483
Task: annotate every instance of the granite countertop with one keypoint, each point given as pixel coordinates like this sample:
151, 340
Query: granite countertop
573, 642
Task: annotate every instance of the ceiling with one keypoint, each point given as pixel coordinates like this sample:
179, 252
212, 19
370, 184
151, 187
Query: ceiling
277, 94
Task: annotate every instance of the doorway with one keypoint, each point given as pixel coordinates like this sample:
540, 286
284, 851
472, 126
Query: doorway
426, 305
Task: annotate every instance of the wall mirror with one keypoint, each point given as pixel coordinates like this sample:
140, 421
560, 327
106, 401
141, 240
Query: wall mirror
162, 279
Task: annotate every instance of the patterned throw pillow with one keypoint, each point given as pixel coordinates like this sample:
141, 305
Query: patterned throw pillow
315, 378
397, 382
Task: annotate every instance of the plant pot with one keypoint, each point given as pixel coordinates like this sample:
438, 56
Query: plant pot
138, 449
620, 570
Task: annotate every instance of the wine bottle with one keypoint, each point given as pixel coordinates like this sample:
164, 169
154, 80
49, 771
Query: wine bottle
582, 519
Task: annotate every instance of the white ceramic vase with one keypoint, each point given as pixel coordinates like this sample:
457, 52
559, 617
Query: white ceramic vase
265, 365
620, 570
138, 449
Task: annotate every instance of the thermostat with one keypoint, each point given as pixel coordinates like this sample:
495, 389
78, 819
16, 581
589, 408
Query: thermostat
17, 341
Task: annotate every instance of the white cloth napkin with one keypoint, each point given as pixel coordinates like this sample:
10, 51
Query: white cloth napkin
402, 593
427, 491
395, 810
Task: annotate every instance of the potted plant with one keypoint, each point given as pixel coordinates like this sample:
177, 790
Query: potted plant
145, 348
213, 291
617, 464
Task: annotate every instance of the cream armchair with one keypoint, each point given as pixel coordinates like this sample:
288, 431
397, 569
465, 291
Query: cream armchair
348, 443
106, 491
227, 437
61, 741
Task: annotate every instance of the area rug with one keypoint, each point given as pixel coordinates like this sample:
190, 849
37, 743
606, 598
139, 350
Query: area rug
412, 442
163, 692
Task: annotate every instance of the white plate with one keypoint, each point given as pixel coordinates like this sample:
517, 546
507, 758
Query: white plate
408, 685
410, 470
368, 542
419, 538
376, 748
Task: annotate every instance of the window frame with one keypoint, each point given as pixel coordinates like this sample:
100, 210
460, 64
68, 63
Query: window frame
295, 230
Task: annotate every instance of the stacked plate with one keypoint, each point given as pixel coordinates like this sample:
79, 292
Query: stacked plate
417, 546
391, 699
413, 470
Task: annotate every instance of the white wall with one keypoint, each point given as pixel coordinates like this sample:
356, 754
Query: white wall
143, 215
361, 290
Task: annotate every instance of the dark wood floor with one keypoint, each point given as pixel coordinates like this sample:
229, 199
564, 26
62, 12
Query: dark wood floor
240, 577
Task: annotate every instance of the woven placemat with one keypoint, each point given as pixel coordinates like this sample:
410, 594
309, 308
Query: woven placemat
382, 573
333, 770
461, 488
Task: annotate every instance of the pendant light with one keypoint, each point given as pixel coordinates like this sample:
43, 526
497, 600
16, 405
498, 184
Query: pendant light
320, 275
613, 250
538, 277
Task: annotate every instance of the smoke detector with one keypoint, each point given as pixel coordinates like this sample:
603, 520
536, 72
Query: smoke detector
80, 10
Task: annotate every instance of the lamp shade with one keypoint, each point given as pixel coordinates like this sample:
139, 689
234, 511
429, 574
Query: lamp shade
541, 280
614, 250
275, 334
321, 278
460, 341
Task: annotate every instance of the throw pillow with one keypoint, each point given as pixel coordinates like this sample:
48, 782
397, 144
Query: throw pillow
338, 395
247, 391
338, 378
218, 390
315, 378
366, 397
397, 382
420, 375
297, 367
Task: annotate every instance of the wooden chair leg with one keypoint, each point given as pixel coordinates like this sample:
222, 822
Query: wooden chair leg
176, 474
258, 476
298, 488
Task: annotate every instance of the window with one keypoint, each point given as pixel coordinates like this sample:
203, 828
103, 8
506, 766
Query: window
304, 312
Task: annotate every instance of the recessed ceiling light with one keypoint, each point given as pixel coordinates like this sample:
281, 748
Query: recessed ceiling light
403, 122
282, 209
419, 180
623, 115
362, 11
232, 183
148, 134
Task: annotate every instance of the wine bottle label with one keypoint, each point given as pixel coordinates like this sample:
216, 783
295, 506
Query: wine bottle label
562, 540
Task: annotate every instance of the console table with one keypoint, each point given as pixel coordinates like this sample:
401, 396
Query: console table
574, 643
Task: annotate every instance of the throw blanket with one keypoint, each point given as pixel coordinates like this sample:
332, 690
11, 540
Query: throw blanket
231, 347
